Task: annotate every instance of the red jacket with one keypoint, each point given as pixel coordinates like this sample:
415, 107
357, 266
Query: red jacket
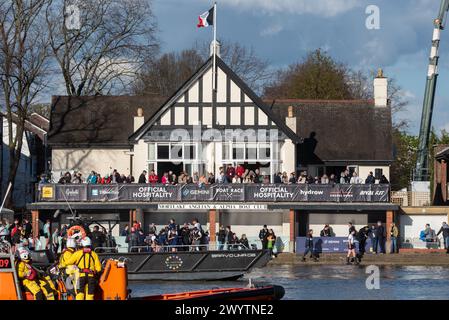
240, 171
153, 178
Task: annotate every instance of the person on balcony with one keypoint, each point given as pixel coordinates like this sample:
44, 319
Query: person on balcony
142, 177
370, 179
384, 180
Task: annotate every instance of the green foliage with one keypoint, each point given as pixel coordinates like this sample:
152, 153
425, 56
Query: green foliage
318, 76
405, 149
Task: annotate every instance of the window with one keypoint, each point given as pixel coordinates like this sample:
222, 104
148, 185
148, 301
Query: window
226, 155
176, 151
264, 151
190, 151
251, 151
378, 173
151, 151
163, 151
238, 151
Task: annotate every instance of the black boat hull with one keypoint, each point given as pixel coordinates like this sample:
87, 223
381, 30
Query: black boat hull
191, 265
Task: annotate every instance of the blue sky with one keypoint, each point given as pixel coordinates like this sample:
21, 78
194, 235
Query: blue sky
283, 31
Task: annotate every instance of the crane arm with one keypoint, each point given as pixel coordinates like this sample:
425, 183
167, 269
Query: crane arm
421, 170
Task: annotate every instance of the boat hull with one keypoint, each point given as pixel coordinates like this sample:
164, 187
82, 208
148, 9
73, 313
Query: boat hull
191, 265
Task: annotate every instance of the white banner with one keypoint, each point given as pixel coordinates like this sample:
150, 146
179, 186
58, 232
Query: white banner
211, 206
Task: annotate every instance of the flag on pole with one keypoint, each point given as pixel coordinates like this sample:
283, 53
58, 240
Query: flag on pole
206, 19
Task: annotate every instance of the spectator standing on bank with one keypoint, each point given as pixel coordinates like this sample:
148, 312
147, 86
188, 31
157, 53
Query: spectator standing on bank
351, 257
372, 234
394, 233
132, 240
263, 236
326, 232
27, 228
362, 236
142, 177
309, 248
430, 235
380, 235
445, 230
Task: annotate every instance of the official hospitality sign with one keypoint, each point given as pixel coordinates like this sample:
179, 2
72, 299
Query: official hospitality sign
217, 193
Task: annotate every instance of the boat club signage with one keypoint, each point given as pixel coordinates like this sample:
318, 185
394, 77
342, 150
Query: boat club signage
211, 206
218, 193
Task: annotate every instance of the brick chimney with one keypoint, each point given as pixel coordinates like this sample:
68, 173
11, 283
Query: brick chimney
380, 90
139, 119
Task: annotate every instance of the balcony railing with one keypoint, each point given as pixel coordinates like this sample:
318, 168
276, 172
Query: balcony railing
411, 198
252, 193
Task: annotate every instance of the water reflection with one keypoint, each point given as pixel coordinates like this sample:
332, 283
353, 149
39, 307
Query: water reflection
327, 282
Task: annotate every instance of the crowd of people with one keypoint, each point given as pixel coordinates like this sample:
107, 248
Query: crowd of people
226, 174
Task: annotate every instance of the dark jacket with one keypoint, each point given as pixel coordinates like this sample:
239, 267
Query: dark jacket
380, 232
142, 178
221, 236
370, 180
97, 238
309, 241
445, 230
263, 234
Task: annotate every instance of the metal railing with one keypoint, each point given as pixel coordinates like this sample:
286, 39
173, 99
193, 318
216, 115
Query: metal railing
411, 198
417, 243
169, 248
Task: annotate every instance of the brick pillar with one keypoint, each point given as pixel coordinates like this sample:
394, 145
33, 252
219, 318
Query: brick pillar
443, 175
212, 225
132, 217
291, 218
35, 223
389, 221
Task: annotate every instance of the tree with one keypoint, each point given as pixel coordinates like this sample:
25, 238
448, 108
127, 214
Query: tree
405, 151
23, 65
103, 54
164, 75
318, 76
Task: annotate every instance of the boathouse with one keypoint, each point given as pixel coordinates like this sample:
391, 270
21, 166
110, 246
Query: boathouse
208, 125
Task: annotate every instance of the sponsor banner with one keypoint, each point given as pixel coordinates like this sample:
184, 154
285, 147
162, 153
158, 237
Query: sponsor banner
70, 192
228, 192
48, 192
231, 193
149, 193
103, 192
329, 245
192, 192
274, 193
211, 206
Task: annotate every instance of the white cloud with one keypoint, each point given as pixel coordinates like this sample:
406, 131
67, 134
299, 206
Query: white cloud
271, 30
327, 8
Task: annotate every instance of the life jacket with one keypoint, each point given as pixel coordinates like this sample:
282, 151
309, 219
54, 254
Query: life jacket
30, 273
90, 262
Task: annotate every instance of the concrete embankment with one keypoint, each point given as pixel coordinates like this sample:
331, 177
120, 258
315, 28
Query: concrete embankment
402, 259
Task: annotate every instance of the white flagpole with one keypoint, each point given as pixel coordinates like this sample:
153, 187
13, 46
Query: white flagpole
214, 82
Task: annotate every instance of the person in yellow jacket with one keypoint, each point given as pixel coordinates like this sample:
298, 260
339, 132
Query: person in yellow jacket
41, 287
89, 266
69, 273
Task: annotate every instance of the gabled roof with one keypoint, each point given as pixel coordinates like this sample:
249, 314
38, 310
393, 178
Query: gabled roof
96, 121
31, 124
200, 72
354, 130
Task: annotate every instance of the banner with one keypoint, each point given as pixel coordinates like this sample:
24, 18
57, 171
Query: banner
328, 245
103, 192
71, 192
193, 193
148, 193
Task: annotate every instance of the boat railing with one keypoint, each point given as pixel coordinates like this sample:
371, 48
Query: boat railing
171, 248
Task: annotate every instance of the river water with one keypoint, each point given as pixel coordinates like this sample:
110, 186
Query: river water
326, 282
